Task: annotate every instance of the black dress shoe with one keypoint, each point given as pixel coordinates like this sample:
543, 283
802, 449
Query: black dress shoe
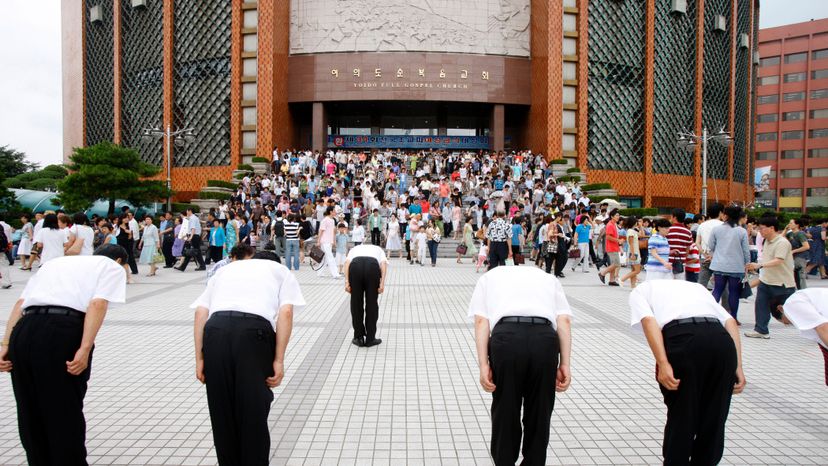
358, 342
613, 284
374, 342
179, 269
201, 269
168, 266
560, 275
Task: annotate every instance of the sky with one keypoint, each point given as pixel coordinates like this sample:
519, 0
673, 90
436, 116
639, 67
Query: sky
30, 83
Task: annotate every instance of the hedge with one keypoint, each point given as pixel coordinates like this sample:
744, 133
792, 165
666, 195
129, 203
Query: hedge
641, 212
222, 184
573, 170
244, 166
182, 207
558, 162
211, 195
567, 178
596, 186
260, 160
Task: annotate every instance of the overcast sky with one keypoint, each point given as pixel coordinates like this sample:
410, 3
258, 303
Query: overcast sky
30, 84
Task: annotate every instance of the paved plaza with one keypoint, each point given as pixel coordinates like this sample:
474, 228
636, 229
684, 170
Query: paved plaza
415, 399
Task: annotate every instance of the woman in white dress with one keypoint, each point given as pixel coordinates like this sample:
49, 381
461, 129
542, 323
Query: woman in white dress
150, 245
393, 242
81, 237
25, 247
51, 238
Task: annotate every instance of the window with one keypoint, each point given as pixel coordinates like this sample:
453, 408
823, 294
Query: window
768, 99
814, 192
817, 172
767, 155
795, 77
769, 61
768, 118
795, 173
819, 74
791, 135
821, 113
791, 192
768, 80
793, 116
766, 136
818, 133
817, 153
817, 54
819, 94
793, 96
817, 197
791, 154
796, 57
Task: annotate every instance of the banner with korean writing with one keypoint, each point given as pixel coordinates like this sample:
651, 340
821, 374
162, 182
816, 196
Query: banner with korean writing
408, 142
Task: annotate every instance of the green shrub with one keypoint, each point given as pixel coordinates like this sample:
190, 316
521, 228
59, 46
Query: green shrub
596, 186
567, 178
222, 184
181, 207
640, 212
211, 195
246, 167
573, 170
260, 160
558, 162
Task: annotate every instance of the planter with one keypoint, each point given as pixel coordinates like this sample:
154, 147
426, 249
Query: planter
205, 204
211, 189
259, 168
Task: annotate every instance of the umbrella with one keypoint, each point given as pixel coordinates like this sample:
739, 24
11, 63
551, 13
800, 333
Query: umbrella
496, 194
610, 201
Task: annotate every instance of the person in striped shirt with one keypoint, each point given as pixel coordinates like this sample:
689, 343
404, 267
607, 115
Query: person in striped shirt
680, 239
658, 263
292, 245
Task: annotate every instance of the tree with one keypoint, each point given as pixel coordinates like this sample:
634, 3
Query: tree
39, 180
109, 171
13, 162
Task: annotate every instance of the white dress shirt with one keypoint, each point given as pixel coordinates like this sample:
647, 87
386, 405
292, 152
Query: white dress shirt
518, 291
255, 286
74, 281
705, 231
669, 300
808, 309
87, 235
367, 250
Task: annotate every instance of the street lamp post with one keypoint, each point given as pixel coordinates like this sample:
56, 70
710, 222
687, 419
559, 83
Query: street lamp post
688, 140
179, 137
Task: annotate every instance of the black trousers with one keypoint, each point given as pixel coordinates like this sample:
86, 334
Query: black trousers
49, 399
238, 357
195, 244
133, 267
563, 256
216, 253
524, 361
498, 253
375, 236
515, 251
166, 249
364, 277
551, 258
703, 357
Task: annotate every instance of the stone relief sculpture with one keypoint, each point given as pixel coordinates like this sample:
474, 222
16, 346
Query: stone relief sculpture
496, 27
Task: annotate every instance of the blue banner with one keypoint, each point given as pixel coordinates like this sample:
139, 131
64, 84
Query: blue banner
408, 142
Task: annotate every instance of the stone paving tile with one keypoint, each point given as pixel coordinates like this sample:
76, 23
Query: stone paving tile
415, 400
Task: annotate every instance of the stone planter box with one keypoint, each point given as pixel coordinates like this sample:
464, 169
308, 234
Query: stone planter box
211, 189
205, 204
602, 193
259, 168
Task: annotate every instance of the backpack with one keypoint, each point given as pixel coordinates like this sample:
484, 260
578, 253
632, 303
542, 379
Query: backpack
278, 229
4, 240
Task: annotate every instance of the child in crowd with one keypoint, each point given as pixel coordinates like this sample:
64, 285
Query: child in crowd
358, 235
482, 253
341, 246
692, 264
421, 245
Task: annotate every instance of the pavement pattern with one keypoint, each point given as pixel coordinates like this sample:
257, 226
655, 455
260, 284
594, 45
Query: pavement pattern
415, 399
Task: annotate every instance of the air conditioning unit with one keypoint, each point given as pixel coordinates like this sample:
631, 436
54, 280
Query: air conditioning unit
756, 57
744, 41
139, 4
95, 14
720, 24
678, 7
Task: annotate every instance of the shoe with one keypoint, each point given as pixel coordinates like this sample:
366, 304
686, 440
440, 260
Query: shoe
179, 269
358, 342
6, 287
613, 284
738, 324
573, 269
602, 277
168, 266
764, 336
560, 275
434, 265
586, 271
374, 342
201, 269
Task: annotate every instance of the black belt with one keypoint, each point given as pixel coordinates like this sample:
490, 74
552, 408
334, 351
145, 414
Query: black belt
526, 320
53, 310
239, 315
690, 320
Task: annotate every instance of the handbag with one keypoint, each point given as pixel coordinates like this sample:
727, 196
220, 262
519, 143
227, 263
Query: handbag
574, 253
157, 258
462, 249
519, 259
552, 247
317, 254
747, 291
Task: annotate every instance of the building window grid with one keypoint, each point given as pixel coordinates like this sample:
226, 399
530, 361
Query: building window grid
769, 61
767, 118
766, 155
817, 172
818, 113
818, 133
793, 96
791, 173
795, 77
819, 54
817, 153
797, 57
819, 74
793, 116
792, 135
792, 154
769, 80
791, 192
765, 137
768, 99
819, 94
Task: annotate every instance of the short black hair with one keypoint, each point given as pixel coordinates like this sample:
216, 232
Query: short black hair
267, 255
661, 222
679, 214
80, 219
242, 251
715, 209
50, 221
112, 251
613, 212
770, 221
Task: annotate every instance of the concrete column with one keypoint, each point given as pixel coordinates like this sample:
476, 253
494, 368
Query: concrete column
319, 130
498, 129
